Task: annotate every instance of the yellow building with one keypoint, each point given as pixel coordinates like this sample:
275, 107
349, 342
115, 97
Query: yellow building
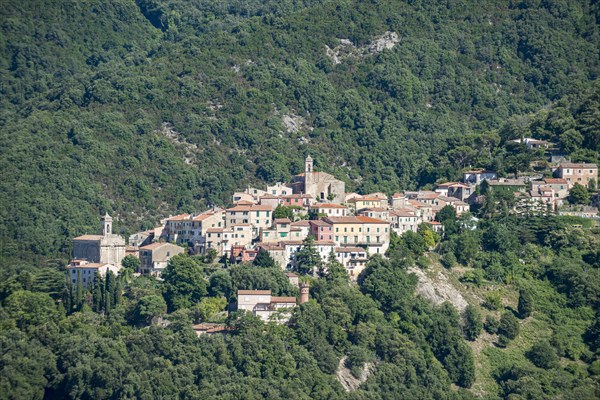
370, 233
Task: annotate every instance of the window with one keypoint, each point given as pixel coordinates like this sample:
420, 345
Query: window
337, 229
168, 253
337, 238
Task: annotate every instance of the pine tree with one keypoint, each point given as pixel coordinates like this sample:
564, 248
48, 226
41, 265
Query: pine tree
308, 259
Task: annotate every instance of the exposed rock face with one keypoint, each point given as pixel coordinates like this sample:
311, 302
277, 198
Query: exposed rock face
190, 149
349, 381
346, 49
439, 289
386, 41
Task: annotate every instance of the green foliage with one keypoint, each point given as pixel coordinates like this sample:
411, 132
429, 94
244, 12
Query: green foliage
508, 326
184, 283
131, 262
525, 306
543, 355
448, 260
264, 260
284, 212
491, 325
30, 309
473, 322
149, 307
307, 260
493, 301
579, 195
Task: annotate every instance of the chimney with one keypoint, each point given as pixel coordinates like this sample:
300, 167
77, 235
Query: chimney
304, 292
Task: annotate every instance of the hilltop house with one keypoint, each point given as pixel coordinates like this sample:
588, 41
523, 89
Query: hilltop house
582, 173
265, 306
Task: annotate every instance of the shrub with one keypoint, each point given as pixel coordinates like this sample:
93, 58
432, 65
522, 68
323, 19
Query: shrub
491, 325
492, 301
543, 355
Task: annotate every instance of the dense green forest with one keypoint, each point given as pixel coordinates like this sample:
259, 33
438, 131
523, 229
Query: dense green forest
150, 107
533, 335
146, 108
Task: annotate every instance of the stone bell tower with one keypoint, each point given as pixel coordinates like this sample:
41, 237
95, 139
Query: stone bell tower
308, 165
107, 222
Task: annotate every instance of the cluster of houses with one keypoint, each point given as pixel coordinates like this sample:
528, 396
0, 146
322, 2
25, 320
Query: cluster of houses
349, 225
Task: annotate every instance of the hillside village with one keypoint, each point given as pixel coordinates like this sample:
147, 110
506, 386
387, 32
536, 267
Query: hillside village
315, 210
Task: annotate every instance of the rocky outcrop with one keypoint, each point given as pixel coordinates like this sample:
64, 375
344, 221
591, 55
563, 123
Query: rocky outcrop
438, 289
346, 49
349, 381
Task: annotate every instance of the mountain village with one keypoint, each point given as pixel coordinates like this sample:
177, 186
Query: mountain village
320, 213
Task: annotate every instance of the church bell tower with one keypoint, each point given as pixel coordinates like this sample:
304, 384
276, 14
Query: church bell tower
107, 225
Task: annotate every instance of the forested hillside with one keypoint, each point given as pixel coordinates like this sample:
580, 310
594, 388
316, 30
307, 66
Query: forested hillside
145, 108
141, 109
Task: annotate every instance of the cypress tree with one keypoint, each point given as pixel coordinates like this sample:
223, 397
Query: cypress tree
78, 301
110, 291
525, 307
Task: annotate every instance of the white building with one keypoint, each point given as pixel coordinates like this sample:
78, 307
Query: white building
88, 270
265, 306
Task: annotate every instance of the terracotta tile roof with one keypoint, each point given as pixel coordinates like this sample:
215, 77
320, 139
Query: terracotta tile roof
350, 250
578, 165
153, 246
447, 184
204, 216
354, 220
302, 222
397, 195
89, 237
253, 292
87, 265
327, 205
402, 213
428, 196
282, 221
214, 230
319, 222
250, 207
286, 300
555, 181
418, 204
268, 196
355, 199
291, 275
180, 217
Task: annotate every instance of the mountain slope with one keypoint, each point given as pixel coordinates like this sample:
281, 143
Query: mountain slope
88, 89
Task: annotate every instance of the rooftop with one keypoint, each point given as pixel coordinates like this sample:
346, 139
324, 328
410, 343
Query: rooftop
327, 205
355, 220
250, 207
253, 292
89, 237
